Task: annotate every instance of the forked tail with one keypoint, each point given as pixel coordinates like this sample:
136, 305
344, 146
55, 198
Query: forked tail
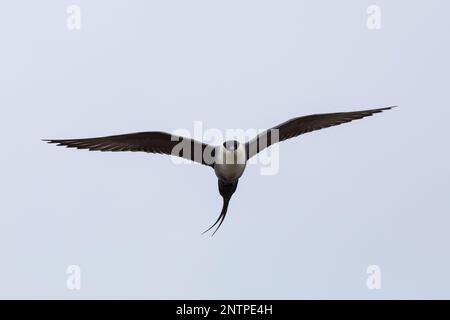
221, 216
226, 191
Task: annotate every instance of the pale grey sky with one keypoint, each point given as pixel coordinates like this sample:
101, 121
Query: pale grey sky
373, 192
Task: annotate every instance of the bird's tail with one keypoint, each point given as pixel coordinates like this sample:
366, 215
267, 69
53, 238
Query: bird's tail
223, 213
226, 190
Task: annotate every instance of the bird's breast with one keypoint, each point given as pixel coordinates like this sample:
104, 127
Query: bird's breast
229, 172
229, 165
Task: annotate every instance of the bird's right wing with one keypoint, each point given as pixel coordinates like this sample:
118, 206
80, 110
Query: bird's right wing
297, 126
152, 142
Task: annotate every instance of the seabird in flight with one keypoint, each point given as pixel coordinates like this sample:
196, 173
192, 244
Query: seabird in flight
229, 159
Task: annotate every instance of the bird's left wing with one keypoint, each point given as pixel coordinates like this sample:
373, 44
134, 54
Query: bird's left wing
297, 126
151, 142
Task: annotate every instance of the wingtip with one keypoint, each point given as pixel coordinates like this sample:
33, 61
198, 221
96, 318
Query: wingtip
383, 109
49, 141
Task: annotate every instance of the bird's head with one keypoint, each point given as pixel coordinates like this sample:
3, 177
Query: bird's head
231, 145
230, 152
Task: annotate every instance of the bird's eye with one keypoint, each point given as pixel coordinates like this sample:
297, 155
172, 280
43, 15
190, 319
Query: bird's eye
231, 145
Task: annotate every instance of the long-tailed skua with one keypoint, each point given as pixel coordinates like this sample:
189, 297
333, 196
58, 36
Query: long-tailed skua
229, 159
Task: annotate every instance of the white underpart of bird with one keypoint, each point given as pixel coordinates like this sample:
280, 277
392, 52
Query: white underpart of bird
230, 162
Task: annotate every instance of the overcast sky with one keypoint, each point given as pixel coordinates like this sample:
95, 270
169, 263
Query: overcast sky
372, 192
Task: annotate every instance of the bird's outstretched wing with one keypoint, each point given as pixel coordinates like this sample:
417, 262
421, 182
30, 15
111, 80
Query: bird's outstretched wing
301, 125
152, 142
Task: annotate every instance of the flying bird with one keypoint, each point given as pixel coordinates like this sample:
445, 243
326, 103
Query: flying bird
229, 159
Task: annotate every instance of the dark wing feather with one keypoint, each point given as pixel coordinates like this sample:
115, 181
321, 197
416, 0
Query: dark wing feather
301, 125
152, 142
